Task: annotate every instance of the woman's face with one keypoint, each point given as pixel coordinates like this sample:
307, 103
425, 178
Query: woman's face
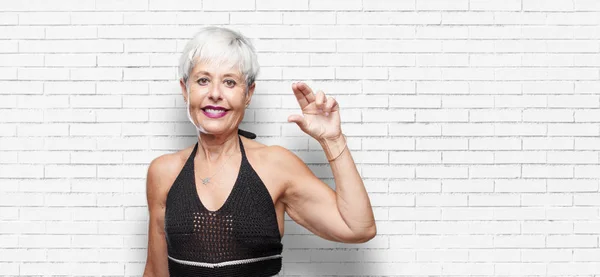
217, 98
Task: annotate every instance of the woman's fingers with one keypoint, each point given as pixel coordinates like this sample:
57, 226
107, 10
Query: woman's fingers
302, 101
331, 104
320, 100
304, 90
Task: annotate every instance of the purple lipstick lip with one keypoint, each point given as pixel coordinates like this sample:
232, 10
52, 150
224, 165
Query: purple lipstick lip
220, 114
214, 108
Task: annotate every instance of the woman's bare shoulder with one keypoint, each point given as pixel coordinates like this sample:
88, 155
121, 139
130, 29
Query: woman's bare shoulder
163, 171
264, 153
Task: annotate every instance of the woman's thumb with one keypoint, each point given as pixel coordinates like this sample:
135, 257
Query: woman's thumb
298, 119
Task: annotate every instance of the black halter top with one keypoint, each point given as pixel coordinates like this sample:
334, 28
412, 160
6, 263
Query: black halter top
239, 239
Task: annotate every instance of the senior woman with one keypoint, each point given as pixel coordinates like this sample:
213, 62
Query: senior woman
225, 217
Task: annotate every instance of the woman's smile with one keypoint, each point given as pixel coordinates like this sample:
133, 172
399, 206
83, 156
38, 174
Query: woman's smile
214, 112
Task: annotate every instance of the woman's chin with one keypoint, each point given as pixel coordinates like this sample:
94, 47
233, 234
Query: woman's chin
215, 128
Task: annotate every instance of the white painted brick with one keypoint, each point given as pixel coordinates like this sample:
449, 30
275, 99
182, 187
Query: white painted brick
8, 73
572, 213
22, 32
415, 157
393, 200
415, 186
454, 115
467, 185
174, 5
441, 200
281, 5
326, 5
491, 200
442, 255
316, 18
586, 199
441, 144
21, 171
326, 59
96, 18
72, 46
22, 60
387, 115
389, 46
390, 171
464, 213
408, 17
455, 157
467, 46
586, 5
493, 227
546, 227
356, 73
518, 213
134, 18
577, 268
36, 130
443, 32
112, 60
520, 268
96, 158
466, 241
525, 241
541, 255
256, 18
495, 171
412, 214
588, 255
34, 102
417, 73
573, 129
439, 60
74, 60
68, 32
214, 5
494, 255
306, 73
41, 74
386, 5
442, 5
571, 241
539, 5
66, 115
9, 19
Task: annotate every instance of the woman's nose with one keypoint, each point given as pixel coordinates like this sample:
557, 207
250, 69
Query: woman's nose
214, 92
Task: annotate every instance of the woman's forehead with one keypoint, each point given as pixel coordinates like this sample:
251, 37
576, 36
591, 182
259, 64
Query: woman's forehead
215, 71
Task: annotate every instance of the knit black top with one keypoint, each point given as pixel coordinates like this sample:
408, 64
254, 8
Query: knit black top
239, 239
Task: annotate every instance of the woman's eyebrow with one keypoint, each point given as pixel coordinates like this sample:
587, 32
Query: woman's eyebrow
208, 73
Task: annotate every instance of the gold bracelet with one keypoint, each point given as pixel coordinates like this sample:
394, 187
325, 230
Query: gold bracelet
343, 149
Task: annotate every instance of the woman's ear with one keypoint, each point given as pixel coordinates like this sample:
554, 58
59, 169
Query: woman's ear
183, 89
250, 93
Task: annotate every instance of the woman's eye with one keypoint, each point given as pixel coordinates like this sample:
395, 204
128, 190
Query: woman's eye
201, 79
231, 82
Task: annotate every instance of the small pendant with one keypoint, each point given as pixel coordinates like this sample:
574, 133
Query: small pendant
205, 180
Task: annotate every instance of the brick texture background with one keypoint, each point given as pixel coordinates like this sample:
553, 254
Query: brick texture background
475, 124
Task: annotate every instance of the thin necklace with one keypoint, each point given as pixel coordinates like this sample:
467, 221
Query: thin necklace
207, 179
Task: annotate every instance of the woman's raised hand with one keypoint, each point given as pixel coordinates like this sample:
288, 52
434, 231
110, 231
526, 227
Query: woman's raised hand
320, 117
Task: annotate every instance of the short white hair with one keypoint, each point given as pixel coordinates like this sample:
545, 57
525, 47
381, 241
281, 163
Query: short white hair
220, 46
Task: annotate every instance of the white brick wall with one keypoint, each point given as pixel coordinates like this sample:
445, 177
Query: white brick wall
474, 123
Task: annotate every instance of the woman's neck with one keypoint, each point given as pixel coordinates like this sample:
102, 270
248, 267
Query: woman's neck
214, 147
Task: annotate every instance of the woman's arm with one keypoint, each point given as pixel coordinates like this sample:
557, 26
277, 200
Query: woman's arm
156, 190
346, 214
343, 215
352, 198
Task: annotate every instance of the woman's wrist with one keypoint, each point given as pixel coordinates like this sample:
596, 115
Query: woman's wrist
334, 147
